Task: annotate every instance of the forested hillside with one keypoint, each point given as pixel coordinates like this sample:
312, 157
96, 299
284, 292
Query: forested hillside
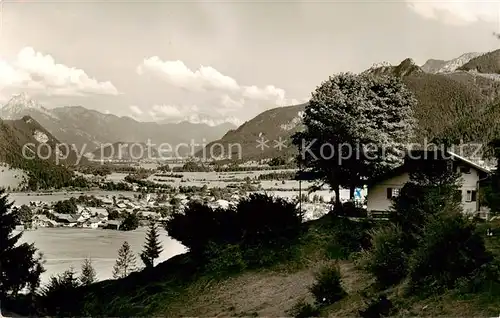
42, 173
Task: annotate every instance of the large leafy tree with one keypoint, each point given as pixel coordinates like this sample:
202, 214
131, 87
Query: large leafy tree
355, 128
130, 223
20, 266
25, 214
66, 206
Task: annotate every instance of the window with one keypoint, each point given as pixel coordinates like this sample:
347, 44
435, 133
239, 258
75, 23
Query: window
459, 195
471, 196
395, 193
392, 193
465, 170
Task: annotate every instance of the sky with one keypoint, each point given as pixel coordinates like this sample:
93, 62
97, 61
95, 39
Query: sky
219, 61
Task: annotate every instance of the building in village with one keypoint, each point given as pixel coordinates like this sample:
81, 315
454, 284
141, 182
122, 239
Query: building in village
41, 220
68, 220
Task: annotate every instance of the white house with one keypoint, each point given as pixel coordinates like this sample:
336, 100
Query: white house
41, 220
92, 223
382, 190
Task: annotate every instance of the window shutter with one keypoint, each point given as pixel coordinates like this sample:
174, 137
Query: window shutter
473, 196
389, 193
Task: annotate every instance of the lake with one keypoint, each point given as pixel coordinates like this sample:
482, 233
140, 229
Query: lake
65, 247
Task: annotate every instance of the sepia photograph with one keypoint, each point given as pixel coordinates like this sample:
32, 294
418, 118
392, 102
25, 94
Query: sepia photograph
249, 158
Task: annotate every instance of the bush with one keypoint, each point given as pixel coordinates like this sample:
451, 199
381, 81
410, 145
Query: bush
350, 236
198, 225
386, 259
265, 219
259, 222
449, 249
486, 279
223, 259
328, 287
303, 309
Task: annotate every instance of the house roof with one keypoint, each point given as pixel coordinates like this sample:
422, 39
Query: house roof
42, 217
469, 162
442, 155
97, 210
66, 217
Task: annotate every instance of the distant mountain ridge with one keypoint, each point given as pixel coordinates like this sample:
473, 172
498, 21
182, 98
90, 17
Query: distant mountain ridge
433, 66
87, 129
270, 128
441, 66
452, 102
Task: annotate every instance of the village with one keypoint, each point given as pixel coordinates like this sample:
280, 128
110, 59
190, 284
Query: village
137, 210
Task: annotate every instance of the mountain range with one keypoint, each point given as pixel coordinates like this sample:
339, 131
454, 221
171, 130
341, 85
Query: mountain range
459, 99
88, 129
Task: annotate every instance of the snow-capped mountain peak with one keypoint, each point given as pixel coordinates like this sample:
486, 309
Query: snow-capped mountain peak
19, 104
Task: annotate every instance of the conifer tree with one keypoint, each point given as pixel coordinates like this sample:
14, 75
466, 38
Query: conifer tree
58, 296
62, 283
88, 275
19, 265
152, 248
126, 262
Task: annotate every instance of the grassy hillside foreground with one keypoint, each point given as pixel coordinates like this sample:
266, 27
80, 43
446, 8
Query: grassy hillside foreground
178, 288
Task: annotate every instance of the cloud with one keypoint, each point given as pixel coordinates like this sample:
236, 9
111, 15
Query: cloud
136, 110
219, 98
171, 112
230, 103
35, 71
178, 74
457, 12
191, 113
200, 119
207, 79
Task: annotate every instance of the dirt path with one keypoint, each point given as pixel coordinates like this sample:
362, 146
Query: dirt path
263, 294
